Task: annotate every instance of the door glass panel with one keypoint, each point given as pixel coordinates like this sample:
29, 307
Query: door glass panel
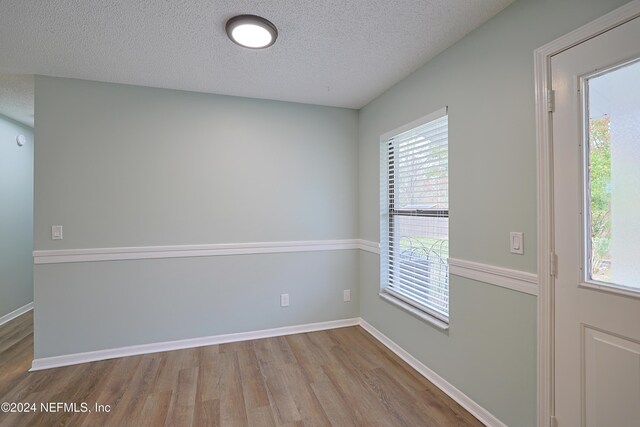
612, 178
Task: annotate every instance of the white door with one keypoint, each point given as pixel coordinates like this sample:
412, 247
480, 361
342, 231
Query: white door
596, 156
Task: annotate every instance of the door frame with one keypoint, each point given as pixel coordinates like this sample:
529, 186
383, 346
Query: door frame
545, 234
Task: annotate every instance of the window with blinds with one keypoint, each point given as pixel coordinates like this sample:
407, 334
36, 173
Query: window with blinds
415, 215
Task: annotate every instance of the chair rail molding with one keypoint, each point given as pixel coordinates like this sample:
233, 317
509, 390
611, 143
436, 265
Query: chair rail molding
516, 280
58, 256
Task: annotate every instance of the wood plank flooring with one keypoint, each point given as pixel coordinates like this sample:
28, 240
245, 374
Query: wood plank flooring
340, 377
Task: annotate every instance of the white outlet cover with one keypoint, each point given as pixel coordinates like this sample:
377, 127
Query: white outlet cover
346, 295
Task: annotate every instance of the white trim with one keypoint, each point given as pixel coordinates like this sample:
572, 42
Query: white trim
187, 251
134, 350
420, 314
542, 71
465, 401
610, 288
93, 356
15, 313
544, 365
369, 246
516, 280
418, 122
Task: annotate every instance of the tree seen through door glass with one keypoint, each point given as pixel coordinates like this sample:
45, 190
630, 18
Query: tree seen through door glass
613, 177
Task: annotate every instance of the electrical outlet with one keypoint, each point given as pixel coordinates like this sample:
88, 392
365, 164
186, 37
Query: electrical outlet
284, 300
346, 295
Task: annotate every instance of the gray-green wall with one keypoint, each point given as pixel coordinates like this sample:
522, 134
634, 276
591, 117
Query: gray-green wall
133, 166
486, 79
121, 166
16, 216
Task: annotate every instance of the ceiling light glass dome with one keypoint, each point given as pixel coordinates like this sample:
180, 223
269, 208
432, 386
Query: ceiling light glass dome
253, 32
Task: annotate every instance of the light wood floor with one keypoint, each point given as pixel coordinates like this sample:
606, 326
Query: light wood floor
341, 377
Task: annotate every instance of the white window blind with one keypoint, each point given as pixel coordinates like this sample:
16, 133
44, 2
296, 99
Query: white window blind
415, 223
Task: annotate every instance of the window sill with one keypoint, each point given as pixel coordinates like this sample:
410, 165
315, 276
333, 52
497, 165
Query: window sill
414, 311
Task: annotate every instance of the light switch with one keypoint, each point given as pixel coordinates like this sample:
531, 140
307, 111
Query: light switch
56, 232
284, 300
517, 243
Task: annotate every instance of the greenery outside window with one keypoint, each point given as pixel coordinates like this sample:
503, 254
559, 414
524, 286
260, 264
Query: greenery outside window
415, 215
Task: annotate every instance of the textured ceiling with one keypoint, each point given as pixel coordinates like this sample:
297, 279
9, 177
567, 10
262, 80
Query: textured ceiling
16, 98
329, 52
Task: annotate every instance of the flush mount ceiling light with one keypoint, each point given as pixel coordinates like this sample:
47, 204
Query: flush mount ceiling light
251, 31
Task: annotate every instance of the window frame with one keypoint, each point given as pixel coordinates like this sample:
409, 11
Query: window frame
387, 214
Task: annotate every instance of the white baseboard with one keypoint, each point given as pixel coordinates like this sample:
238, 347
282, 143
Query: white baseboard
15, 313
135, 350
466, 402
93, 356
